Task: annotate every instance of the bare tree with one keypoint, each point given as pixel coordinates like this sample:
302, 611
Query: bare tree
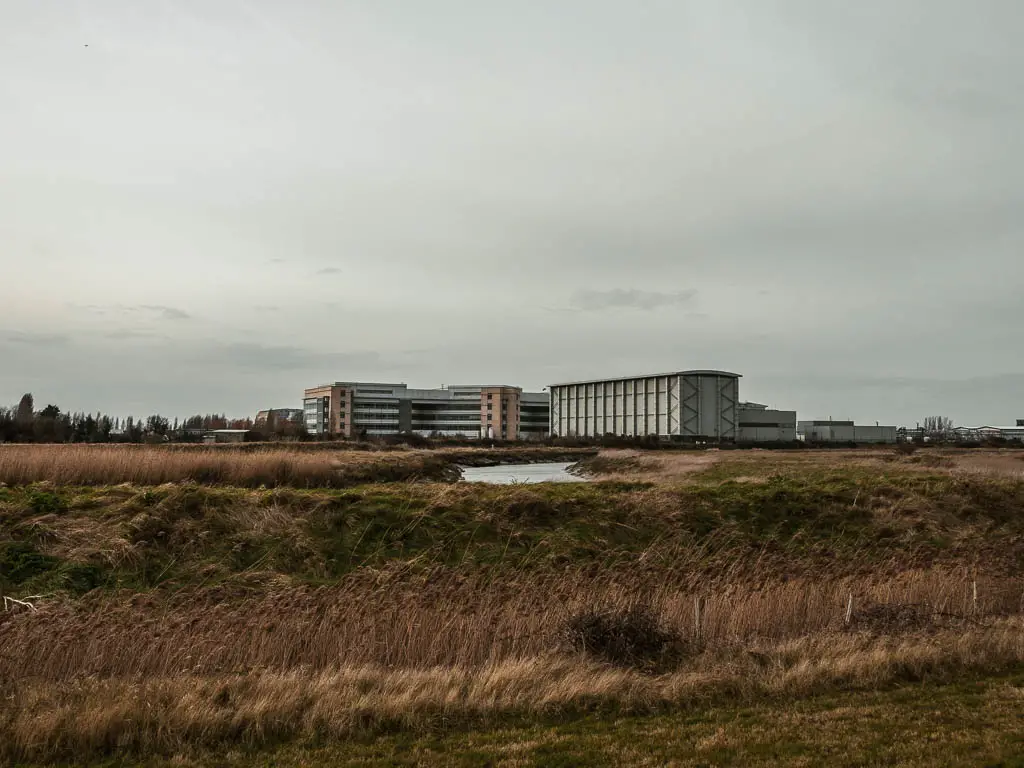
26, 409
938, 426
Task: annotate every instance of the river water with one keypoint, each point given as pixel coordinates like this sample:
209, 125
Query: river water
506, 474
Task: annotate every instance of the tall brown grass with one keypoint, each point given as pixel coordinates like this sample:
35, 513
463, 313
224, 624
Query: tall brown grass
240, 665
271, 467
249, 465
93, 716
440, 619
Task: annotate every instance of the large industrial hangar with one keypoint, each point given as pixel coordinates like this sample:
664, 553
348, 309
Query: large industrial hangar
684, 405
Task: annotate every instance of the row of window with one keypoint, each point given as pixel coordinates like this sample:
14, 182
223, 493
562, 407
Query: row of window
426, 419
601, 412
446, 406
445, 427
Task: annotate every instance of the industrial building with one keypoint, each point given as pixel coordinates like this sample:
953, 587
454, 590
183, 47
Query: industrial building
351, 409
975, 434
829, 431
684, 405
280, 415
213, 436
1006, 433
760, 424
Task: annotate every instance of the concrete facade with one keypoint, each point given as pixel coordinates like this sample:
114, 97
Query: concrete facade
349, 409
760, 424
685, 405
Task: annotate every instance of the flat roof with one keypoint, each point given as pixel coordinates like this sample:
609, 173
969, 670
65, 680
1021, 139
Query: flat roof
701, 372
403, 385
480, 386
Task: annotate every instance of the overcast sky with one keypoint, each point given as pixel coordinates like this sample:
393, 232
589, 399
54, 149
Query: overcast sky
208, 205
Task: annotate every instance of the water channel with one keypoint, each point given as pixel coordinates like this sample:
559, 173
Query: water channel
507, 474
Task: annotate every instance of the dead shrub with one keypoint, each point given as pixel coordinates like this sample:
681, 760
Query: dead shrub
633, 637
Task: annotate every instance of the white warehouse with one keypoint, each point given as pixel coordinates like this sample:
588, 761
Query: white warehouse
760, 424
829, 431
685, 405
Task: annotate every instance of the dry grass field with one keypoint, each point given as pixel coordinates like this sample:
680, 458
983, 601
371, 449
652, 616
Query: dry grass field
299, 466
179, 614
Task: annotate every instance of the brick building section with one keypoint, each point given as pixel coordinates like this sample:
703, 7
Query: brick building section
499, 412
339, 418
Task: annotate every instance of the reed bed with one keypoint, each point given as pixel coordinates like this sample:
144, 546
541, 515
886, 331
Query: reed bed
451, 620
169, 715
271, 467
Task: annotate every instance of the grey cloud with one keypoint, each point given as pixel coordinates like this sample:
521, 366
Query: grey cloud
160, 310
167, 313
329, 271
274, 357
124, 334
622, 298
33, 339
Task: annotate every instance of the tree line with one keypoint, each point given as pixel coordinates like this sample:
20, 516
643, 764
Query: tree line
25, 424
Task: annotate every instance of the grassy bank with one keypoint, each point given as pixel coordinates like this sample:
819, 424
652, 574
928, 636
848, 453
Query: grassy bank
174, 535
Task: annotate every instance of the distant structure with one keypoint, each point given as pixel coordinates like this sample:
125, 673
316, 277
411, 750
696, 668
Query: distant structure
760, 424
691, 405
1008, 433
225, 436
966, 434
830, 431
281, 415
353, 408
697, 405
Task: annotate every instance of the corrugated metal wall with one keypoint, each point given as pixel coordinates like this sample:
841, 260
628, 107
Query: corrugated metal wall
692, 405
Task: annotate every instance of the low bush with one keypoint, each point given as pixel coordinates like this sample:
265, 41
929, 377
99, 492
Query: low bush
633, 637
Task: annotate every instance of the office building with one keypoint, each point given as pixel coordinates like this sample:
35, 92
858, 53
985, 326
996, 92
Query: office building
353, 409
